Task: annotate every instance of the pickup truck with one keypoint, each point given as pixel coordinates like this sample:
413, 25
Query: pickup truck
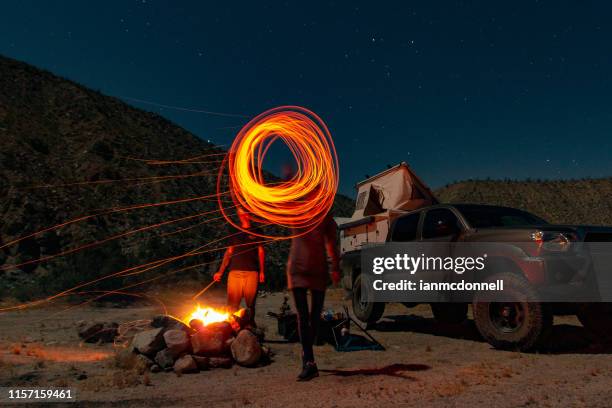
521, 325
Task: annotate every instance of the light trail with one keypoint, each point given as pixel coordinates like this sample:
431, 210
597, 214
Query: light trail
111, 211
135, 270
110, 181
199, 224
300, 203
105, 240
180, 108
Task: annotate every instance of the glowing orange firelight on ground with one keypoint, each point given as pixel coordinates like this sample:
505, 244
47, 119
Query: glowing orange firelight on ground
299, 203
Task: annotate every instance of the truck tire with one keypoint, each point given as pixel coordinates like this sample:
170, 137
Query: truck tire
367, 312
521, 325
451, 313
597, 319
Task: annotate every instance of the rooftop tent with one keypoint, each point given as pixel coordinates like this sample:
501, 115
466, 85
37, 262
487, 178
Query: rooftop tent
397, 188
381, 199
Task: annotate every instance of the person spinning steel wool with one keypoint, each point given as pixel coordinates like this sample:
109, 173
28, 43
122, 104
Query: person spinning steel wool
246, 259
307, 269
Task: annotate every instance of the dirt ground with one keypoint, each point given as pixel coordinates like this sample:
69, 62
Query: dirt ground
425, 364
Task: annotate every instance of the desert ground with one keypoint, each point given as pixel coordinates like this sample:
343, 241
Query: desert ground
425, 364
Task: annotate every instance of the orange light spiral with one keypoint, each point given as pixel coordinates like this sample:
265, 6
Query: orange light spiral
299, 203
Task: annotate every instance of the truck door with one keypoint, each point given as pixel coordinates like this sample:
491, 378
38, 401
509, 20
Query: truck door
405, 228
441, 224
441, 227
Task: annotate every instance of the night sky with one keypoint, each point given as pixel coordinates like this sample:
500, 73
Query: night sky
457, 89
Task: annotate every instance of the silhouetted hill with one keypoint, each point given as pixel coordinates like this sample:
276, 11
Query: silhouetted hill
586, 201
55, 132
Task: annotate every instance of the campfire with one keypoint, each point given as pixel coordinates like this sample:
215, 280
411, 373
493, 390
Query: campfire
207, 316
204, 316
205, 338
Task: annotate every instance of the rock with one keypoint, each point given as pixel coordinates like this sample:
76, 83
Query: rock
220, 362
155, 368
246, 349
196, 324
142, 364
169, 323
108, 333
87, 331
177, 341
165, 358
207, 344
259, 332
202, 362
224, 327
228, 343
98, 332
149, 342
210, 341
162, 321
185, 365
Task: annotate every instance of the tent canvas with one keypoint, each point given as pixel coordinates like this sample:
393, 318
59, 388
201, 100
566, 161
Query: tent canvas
397, 188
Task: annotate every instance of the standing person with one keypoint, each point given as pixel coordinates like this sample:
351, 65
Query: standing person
307, 269
246, 258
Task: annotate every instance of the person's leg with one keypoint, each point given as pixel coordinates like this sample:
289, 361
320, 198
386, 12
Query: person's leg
234, 290
300, 299
316, 307
250, 293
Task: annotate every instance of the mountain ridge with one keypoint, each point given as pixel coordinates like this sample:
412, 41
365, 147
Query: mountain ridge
576, 201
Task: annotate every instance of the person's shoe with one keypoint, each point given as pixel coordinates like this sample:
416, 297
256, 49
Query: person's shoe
309, 372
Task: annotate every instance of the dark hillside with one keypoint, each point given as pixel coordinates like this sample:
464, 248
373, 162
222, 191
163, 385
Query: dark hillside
587, 201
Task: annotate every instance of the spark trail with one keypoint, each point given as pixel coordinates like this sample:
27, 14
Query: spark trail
300, 203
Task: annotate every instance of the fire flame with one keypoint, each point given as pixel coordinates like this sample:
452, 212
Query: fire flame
207, 315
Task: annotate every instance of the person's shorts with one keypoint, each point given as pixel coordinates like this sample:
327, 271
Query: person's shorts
242, 284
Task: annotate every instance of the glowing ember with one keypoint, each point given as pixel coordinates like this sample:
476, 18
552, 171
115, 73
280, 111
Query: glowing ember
207, 315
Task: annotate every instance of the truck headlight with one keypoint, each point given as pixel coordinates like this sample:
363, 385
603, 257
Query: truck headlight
553, 241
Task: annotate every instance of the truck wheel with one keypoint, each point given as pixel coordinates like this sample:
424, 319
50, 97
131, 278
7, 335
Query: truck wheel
367, 312
451, 313
521, 325
597, 318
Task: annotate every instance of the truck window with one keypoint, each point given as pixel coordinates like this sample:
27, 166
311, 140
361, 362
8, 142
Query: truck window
485, 216
405, 228
440, 223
